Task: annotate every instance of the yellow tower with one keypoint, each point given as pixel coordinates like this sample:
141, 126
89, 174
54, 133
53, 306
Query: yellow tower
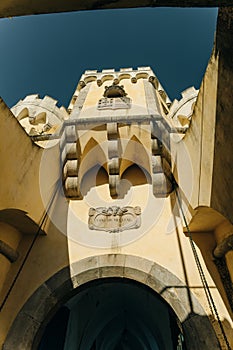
112, 237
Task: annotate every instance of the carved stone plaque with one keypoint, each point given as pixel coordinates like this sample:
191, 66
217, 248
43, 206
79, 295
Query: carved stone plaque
114, 219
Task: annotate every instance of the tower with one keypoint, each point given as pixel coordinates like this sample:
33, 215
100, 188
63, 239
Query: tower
113, 219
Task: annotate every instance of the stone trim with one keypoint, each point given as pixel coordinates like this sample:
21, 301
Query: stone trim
28, 326
8, 252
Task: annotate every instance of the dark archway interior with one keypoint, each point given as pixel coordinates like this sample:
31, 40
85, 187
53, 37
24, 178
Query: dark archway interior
113, 314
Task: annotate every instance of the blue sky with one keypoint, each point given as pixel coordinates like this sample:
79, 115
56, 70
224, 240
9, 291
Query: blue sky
46, 54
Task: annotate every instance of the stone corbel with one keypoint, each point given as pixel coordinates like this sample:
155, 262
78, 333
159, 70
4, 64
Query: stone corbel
69, 158
114, 181
113, 162
8, 252
160, 167
71, 188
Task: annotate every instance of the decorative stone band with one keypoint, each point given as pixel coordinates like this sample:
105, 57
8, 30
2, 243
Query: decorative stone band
71, 158
114, 218
8, 252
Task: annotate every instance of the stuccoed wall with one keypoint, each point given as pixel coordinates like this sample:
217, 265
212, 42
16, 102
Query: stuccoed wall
68, 240
207, 184
70, 243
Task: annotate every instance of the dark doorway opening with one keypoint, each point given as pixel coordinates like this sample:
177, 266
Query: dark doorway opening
113, 314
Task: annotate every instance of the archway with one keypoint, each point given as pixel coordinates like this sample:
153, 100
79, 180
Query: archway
30, 324
113, 314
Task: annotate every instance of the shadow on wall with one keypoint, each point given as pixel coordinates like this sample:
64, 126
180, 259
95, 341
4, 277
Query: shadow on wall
19, 220
31, 322
206, 243
222, 192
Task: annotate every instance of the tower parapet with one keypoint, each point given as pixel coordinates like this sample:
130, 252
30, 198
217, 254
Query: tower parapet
39, 116
118, 122
181, 111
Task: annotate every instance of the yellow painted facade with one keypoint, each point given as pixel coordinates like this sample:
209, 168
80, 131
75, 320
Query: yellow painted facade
103, 192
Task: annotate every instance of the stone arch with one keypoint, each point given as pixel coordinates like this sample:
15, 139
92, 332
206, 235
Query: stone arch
28, 326
142, 75
135, 153
136, 175
89, 79
106, 77
124, 76
93, 177
93, 154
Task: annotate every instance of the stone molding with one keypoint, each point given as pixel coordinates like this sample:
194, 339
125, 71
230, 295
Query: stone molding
8, 252
160, 159
28, 327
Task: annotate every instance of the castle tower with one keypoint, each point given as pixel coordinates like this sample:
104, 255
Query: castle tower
115, 222
119, 118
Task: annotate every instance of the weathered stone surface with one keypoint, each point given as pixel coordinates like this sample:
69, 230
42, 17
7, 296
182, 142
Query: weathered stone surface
198, 326
31, 317
39, 303
23, 333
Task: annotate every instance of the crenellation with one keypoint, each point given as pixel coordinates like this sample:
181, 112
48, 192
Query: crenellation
181, 111
113, 165
119, 234
39, 116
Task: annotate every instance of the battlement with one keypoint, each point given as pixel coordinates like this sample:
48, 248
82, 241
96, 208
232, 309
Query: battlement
181, 111
116, 77
39, 116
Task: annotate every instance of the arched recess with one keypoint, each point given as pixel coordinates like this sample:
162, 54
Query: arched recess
106, 77
28, 327
136, 175
92, 155
124, 76
90, 79
135, 153
142, 75
95, 176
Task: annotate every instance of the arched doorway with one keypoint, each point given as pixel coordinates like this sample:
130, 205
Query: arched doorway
29, 328
113, 314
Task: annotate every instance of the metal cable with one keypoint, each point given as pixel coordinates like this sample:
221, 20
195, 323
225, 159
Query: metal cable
42, 221
209, 296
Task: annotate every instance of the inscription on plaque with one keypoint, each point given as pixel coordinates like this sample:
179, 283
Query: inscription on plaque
114, 219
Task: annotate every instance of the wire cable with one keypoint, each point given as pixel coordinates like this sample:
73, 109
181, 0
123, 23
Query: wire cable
209, 296
42, 222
